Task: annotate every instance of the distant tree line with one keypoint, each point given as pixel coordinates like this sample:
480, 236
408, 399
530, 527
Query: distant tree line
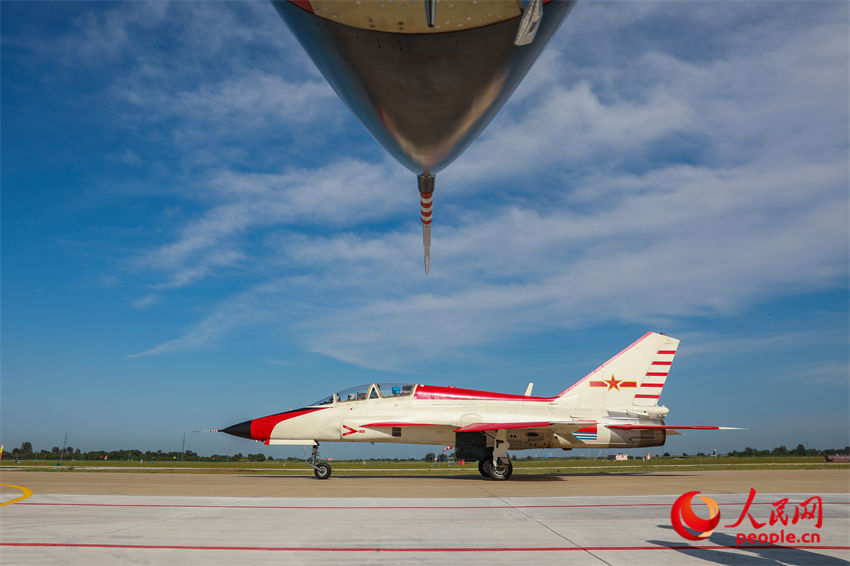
800, 450
26, 452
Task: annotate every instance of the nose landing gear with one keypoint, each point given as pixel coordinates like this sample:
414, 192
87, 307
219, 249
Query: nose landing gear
322, 470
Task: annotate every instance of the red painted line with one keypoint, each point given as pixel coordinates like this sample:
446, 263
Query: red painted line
435, 392
652, 385
397, 424
660, 427
671, 352
500, 426
662, 363
647, 396
409, 549
656, 374
353, 507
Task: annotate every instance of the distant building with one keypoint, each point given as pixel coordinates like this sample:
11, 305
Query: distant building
838, 458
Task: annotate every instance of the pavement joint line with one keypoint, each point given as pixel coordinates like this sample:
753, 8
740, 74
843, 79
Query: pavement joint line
545, 526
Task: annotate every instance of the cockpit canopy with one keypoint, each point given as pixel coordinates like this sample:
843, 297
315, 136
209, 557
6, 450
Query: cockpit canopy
369, 391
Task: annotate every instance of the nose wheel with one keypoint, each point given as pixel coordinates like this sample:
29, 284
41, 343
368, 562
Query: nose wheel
322, 470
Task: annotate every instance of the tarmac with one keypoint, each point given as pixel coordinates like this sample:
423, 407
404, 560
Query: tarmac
618, 519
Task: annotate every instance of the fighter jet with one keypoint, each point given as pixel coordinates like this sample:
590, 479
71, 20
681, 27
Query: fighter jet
614, 406
425, 77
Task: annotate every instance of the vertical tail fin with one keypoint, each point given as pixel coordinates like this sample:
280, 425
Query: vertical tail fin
634, 377
655, 376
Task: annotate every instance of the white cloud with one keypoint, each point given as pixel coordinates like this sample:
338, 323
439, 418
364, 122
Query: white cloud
146, 301
342, 194
708, 344
690, 248
236, 106
707, 186
829, 373
650, 258
139, 31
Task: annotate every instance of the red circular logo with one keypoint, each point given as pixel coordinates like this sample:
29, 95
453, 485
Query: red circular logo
682, 516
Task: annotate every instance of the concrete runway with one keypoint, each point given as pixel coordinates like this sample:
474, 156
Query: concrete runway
107, 518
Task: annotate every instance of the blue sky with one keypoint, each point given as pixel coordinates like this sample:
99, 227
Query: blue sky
196, 231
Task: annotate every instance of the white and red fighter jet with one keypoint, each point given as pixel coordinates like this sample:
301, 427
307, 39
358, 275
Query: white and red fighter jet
614, 406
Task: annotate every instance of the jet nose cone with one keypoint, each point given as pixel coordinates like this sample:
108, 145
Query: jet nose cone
429, 94
242, 430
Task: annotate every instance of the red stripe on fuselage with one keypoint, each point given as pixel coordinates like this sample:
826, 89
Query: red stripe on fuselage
261, 429
434, 392
394, 424
500, 426
661, 427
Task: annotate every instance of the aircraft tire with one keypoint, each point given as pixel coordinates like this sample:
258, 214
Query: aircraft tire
322, 471
502, 472
483, 468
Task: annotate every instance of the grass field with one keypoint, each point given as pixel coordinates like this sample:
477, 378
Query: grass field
391, 467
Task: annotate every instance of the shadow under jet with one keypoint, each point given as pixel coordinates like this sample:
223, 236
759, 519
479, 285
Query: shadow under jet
761, 555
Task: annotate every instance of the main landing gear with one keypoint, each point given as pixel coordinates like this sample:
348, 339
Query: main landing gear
496, 468
321, 470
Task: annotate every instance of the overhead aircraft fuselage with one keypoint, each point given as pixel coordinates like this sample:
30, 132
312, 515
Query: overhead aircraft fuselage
424, 77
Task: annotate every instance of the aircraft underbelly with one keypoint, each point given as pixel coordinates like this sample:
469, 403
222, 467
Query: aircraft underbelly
423, 96
637, 438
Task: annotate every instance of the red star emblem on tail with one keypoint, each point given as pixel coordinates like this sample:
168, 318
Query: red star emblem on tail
613, 383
